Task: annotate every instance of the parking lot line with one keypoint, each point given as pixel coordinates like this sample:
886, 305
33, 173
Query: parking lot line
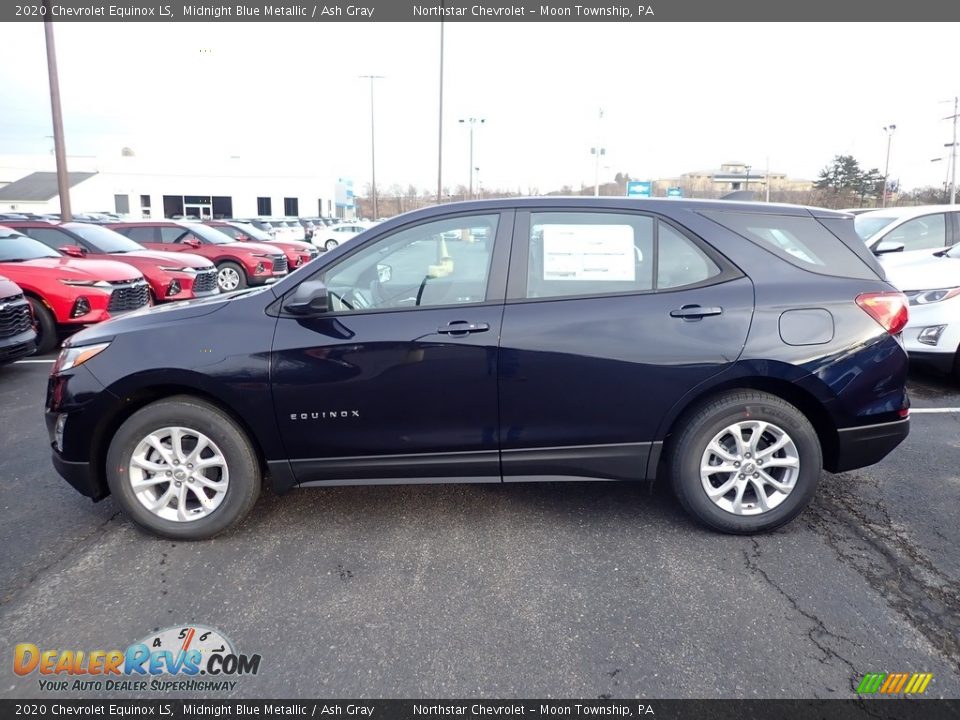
934, 410
26, 362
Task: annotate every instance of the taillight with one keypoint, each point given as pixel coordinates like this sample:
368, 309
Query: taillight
887, 308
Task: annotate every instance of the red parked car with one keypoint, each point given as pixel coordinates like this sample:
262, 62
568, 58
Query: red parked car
67, 293
172, 276
238, 264
298, 253
17, 335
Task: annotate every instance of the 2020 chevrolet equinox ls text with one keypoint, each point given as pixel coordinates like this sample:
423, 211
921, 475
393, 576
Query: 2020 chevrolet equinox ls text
734, 350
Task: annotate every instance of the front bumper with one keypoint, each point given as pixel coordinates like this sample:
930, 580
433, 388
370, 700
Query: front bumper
859, 447
17, 346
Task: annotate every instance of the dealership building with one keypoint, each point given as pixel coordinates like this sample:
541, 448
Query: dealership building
156, 188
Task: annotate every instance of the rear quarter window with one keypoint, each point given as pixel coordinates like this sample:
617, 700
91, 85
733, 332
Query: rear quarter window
801, 241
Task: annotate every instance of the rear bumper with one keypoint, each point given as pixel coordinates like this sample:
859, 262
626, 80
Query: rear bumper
942, 361
862, 446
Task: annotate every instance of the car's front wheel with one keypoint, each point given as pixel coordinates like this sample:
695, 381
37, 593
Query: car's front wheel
330, 244
183, 469
230, 276
745, 462
46, 324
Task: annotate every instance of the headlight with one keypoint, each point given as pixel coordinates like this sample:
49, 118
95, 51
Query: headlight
179, 269
925, 297
86, 283
71, 357
264, 255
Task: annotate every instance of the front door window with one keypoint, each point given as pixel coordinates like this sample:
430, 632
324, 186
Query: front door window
446, 262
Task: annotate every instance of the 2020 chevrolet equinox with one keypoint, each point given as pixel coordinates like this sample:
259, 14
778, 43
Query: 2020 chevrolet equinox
734, 350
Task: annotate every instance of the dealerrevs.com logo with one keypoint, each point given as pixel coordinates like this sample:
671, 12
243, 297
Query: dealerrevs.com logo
185, 658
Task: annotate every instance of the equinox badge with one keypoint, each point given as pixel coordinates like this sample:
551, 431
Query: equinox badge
325, 415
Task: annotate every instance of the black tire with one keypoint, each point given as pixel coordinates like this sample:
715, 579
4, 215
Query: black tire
330, 244
47, 335
699, 427
244, 480
225, 272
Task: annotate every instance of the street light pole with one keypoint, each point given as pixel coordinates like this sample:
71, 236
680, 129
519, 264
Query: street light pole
373, 145
597, 151
746, 185
888, 129
440, 124
59, 146
471, 122
953, 156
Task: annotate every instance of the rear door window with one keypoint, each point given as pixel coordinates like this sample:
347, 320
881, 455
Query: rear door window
801, 241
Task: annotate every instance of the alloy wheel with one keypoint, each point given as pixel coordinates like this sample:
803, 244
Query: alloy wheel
750, 467
179, 474
228, 279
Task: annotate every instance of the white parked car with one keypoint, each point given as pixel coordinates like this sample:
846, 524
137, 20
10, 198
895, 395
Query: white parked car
931, 281
330, 237
909, 229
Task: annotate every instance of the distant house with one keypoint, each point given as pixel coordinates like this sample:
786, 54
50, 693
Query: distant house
734, 175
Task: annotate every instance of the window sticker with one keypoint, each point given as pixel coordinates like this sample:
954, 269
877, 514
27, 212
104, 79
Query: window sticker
589, 252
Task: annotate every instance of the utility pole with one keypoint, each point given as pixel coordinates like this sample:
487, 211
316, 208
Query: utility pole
746, 184
888, 129
373, 146
59, 146
767, 178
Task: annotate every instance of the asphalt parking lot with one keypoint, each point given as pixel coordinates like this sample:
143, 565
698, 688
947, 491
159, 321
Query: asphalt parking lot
563, 590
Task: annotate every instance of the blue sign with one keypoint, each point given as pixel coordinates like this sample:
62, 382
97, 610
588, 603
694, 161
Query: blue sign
674, 192
639, 188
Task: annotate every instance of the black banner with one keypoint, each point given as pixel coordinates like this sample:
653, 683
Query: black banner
892, 709
477, 11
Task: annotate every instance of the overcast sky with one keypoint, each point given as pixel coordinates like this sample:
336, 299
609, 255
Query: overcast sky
676, 97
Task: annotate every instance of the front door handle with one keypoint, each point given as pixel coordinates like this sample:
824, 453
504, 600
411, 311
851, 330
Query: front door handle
462, 327
695, 312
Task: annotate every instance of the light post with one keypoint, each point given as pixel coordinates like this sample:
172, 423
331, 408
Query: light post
888, 129
597, 151
373, 145
471, 122
746, 184
440, 124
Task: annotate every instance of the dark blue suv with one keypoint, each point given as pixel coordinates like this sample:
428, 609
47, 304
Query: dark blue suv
732, 349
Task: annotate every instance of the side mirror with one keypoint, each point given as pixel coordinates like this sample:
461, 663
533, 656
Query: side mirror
192, 242
73, 251
888, 246
240, 237
310, 298
384, 273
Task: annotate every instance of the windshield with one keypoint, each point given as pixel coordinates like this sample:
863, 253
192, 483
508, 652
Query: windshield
209, 234
250, 231
16, 247
104, 239
869, 225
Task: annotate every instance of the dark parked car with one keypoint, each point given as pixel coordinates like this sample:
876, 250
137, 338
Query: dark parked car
734, 350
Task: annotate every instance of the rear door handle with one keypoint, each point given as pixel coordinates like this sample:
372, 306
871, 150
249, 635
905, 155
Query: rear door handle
462, 327
695, 312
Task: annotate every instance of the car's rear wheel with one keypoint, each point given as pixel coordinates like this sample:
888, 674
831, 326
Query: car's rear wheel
230, 277
745, 462
183, 469
47, 336
330, 244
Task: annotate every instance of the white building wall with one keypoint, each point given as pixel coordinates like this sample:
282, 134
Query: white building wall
133, 177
